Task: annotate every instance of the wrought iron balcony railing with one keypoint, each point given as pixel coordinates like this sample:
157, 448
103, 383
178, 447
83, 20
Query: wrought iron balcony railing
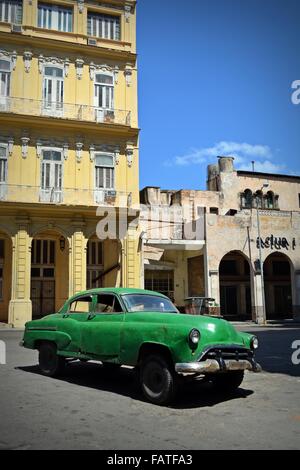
75, 112
65, 196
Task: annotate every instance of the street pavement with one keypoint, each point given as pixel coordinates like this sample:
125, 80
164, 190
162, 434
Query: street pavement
90, 408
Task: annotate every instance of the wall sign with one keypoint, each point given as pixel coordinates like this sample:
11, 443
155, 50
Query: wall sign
276, 243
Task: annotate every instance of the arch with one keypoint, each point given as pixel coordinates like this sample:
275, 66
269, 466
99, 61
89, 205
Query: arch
278, 270
270, 200
247, 199
258, 199
49, 270
235, 286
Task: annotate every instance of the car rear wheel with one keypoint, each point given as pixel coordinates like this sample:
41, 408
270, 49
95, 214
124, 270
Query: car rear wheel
157, 380
229, 381
50, 363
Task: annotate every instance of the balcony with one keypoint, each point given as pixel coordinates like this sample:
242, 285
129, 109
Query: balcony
66, 111
64, 197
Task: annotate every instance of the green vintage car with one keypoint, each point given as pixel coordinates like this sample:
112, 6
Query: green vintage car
143, 329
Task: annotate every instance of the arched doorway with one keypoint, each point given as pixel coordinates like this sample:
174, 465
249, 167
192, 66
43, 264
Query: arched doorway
235, 286
5, 275
278, 286
49, 272
103, 263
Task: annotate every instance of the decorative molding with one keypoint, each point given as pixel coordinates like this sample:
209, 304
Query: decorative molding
39, 145
12, 56
27, 56
117, 155
79, 68
10, 145
129, 156
128, 11
80, 4
92, 152
116, 74
94, 68
79, 146
128, 75
53, 61
25, 140
65, 150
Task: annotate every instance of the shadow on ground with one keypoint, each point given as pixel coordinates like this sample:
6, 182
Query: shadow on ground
275, 349
123, 381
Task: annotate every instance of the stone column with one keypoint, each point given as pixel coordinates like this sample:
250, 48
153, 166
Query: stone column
296, 296
214, 282
20, 307
258, 314
77, 259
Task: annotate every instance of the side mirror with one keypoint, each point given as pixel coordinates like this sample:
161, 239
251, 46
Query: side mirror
91, 316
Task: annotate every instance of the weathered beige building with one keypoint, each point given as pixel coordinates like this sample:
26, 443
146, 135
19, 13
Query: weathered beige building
213, 243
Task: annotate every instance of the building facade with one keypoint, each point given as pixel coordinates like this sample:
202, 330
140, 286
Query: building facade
68, 151
243, 248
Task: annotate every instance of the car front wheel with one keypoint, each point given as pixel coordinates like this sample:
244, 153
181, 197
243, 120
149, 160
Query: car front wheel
50, 363
157, 380
229, 381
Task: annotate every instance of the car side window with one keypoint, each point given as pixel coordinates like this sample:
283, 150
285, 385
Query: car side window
81, 305
107, 303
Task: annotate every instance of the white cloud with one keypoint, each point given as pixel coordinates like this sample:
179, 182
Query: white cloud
242, 152
264, 167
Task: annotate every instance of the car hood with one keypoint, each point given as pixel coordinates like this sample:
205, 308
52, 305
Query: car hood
213, 330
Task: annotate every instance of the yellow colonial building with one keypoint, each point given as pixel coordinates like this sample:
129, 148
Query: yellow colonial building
68, 151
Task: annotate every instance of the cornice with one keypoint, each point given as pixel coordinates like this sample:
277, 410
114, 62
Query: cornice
66, 47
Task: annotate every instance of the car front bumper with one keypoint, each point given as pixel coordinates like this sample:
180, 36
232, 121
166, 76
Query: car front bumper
211, 366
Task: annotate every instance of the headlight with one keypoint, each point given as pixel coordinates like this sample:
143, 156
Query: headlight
254, 343
194, 337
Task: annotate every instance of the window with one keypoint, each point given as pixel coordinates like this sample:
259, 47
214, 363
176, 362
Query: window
81, 305
160, 281
214, 210
103, 26
148, 303
108, 304
269, 200
51, 175
55, 17
3, 164
11, 11
104, 171
53, 90
258, 200
94, 263
247, 199
104, 91
5, 74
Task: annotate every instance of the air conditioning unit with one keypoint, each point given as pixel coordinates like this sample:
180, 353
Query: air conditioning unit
16, 28
92, 42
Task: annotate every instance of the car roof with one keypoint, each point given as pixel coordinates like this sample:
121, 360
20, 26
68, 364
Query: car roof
117, 290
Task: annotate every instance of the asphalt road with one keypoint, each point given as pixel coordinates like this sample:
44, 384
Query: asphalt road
92, 409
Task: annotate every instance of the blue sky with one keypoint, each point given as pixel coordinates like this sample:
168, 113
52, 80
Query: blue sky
215, 78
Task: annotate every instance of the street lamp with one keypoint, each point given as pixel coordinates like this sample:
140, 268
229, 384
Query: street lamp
265, 185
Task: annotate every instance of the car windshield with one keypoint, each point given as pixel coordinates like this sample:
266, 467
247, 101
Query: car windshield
148, 303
